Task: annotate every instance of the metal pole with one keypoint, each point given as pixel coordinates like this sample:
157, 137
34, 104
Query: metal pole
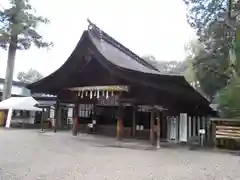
201, 136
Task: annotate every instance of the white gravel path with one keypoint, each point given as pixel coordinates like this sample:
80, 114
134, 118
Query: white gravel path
30, 155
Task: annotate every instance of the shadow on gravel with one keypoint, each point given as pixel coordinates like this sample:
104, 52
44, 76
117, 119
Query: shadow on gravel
127, 147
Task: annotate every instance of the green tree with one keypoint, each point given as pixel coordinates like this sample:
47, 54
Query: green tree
30, 76
216, 31
208, 70
229, 100
167, 67
18, 25
217, 26
212, 24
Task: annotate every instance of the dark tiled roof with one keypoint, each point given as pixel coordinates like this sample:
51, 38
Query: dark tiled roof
118, 54
119, 58
121, 62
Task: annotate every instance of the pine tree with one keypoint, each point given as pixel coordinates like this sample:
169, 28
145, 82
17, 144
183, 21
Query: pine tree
18, 25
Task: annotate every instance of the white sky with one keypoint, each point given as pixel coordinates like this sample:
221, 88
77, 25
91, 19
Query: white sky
147, 27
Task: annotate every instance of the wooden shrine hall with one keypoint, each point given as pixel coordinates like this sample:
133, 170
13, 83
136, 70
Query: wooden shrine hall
100, 68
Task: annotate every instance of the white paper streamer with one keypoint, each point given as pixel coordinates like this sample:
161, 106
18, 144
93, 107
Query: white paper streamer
98, 94
91, 93
106, 94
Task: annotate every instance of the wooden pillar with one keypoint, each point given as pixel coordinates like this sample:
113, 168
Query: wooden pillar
134, 122
168, 129
42, 120
214, 133
208, 130
94, 119
177, 129
158, 129
56, 115
119, 129
203, 121
120, 123
194, 126
198, 125
152, 127
189, 127
75, 119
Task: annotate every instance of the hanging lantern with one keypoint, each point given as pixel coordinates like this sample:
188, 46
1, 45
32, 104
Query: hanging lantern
91, 94
97, 93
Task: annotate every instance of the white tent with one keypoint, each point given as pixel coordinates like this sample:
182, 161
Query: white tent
18, 103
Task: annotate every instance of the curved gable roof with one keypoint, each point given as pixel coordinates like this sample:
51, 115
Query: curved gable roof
119, 57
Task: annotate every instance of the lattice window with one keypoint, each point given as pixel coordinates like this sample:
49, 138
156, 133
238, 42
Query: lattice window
85, 110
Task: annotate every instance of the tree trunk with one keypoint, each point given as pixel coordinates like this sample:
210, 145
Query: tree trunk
10, 68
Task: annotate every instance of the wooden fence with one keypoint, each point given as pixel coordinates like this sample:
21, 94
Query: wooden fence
226, 132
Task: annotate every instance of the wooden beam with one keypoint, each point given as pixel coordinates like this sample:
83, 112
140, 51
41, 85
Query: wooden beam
227, 127
234, 134
227, 137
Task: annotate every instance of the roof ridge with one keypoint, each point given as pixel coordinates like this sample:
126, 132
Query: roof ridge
93, 28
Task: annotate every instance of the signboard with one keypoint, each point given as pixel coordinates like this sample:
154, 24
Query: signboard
202, 131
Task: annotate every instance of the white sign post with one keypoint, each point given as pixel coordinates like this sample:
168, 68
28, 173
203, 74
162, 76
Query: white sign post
202, 133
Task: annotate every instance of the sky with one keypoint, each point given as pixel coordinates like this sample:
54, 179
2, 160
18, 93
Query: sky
147, 27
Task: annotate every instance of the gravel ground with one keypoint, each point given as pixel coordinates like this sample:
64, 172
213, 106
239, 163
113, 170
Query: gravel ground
30, 155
